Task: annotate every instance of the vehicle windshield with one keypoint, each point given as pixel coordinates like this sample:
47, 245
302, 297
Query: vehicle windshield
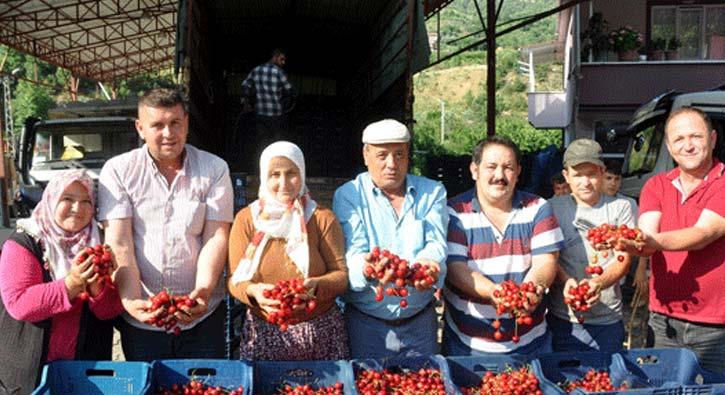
644, 148
84, 143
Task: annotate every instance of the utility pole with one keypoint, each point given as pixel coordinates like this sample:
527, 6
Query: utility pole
491, 66
6, 136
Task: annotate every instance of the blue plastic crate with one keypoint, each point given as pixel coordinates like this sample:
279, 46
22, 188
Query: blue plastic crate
556, 368
468, 371
269, 376
709, 383
91, 378
411, 363
212, 372
673, 366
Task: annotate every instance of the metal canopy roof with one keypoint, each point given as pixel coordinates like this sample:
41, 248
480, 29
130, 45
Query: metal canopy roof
102, 40
106, 40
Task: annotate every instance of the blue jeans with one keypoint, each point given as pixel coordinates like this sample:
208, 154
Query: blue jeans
203, 341
371, 337
570, 336
707, 341
453, 346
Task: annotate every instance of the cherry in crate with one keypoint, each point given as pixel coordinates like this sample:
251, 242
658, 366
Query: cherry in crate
397, 274
509, 382
197, 387
424, 381
593, 381
292, 295
306, 389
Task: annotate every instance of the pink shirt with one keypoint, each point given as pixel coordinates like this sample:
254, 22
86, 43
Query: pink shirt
168, 220
687, 284
28, 298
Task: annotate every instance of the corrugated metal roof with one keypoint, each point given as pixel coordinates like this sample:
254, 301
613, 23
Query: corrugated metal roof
107, 40
99, 39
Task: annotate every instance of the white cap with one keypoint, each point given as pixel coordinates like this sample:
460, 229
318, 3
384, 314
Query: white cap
385, 131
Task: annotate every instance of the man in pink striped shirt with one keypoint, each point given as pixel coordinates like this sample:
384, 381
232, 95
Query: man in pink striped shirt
166, 209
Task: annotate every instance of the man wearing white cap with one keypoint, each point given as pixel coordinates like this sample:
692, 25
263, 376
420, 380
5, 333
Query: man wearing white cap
388, 208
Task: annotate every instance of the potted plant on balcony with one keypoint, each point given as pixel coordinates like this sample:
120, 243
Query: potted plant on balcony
673, 44
595, 39
656, 49
625, 41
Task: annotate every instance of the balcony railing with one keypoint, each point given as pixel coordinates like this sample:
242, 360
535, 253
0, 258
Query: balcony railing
625, 84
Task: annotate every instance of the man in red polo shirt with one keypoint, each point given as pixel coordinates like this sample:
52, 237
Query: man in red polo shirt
683, 220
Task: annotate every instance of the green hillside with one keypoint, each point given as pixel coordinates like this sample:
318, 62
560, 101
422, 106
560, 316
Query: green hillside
461, 83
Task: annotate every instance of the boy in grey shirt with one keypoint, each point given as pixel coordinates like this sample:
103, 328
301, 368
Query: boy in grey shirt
602, 328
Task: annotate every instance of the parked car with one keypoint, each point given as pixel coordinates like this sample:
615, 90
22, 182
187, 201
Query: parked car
647, 153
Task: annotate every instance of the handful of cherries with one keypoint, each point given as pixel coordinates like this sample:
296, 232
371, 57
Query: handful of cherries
513, 300
288, 293
401, 274
603, 238
101, 259
170, 304
577, 299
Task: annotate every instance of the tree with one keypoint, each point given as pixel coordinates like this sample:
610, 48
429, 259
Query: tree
31, 100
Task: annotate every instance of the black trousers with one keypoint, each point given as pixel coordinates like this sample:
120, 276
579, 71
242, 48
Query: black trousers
203, 341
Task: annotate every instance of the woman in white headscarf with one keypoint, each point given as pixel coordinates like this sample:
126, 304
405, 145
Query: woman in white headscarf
280, 236
52, 307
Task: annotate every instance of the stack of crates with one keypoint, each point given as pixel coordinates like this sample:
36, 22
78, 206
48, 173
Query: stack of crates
643, 371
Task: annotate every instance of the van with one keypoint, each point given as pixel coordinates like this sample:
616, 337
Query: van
73, 141
647, 152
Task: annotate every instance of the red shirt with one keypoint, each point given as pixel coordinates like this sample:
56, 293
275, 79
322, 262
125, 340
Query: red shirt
687, 285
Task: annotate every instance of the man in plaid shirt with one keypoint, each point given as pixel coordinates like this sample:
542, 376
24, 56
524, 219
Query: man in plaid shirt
267, 83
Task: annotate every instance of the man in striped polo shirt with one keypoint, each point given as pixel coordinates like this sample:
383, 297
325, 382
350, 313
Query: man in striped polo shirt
497, 233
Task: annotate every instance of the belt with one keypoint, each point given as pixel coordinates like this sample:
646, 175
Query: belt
398, 322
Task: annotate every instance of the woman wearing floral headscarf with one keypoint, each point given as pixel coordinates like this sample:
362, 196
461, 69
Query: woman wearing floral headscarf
284, 235
42, 316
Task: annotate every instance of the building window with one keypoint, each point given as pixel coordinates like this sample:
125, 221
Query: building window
700, 29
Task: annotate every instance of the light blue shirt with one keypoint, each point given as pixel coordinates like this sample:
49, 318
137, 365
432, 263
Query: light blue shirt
369, 220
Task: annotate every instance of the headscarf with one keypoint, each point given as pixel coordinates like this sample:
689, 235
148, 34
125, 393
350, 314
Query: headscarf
272, 218
59, 246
